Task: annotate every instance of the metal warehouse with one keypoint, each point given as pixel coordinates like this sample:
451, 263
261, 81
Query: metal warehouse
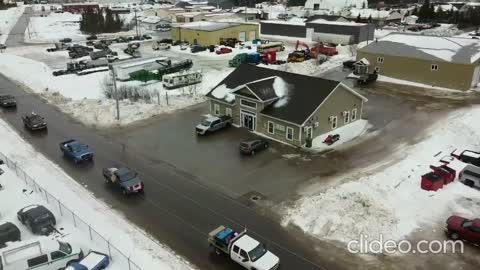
337, 32
210, 33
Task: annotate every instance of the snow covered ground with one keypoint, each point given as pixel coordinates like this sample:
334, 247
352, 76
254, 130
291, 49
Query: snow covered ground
82, 96
386, 197
54, 27
129, 239
347, 133
8, 19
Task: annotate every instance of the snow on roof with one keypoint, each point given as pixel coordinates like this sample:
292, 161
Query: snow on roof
445, 7
282, 89
189, 14
142, 62
248, 11
322, 21
365, 13
451, 49
91, 260
151, 19
176, 9
208, 7
363, 61
295, 22
80, 4
471, 154
208, 26
223, 92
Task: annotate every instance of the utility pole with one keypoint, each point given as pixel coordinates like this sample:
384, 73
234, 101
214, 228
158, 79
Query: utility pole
136, 24
114, 76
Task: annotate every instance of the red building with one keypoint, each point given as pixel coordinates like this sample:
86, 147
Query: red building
80, 7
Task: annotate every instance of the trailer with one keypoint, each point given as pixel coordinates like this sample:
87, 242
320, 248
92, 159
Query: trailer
125, 68
94, 260
179, 79
166, 67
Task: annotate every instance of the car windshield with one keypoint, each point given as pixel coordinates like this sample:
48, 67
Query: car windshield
45, 218
128, 176
206, 123
467, 224
257, 252
65, 247
245, 144
78, 147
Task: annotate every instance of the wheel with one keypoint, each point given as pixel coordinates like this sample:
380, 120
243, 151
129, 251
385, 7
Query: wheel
454, 236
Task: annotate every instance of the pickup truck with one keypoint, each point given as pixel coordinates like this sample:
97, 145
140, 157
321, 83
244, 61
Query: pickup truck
128, 180
34, 121
160, 46
242, 249
76, 151
92, 261
212, 123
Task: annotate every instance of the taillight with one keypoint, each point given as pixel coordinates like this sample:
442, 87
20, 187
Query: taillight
131, 188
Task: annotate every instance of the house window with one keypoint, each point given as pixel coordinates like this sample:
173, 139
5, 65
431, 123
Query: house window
380, 60
346, 117
434, 67
333, 122
247, 103
354, 114
289, 133
271, 127
316, 124
216, 109
228, 112
316, 6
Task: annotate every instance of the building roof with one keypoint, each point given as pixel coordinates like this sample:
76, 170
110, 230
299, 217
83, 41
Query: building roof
451, 49
323, 21
289, 22
295, 96
247, 243
208, 26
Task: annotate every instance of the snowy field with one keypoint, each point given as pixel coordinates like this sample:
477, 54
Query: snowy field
82, 96
53, 28
8, 19
386, 197
111, 225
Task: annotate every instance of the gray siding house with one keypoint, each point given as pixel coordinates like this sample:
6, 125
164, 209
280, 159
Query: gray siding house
284, 106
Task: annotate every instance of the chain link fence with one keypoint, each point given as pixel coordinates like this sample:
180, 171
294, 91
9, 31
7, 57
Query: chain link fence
102, 244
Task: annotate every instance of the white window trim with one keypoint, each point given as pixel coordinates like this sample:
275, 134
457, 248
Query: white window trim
273, 127
286, 133
380, 60
434, 67
354, 115
241, 103
215, 107
334, 120
346, 117
227, 110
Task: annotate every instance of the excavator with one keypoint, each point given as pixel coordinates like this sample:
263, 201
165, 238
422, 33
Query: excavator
310, 53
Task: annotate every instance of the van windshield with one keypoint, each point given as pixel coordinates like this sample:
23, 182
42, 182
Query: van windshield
64, 247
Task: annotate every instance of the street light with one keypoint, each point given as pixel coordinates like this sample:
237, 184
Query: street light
114, 76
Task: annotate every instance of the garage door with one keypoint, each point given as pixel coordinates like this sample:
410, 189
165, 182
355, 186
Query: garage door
252, 36
242, 36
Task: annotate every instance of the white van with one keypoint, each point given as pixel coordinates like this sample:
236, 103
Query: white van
39, 255
470, 176
179, 79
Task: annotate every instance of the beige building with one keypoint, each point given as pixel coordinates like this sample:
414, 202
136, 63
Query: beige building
211, 33
447, 62
285, 106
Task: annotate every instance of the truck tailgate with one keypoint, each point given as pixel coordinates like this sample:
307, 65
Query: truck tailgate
93, 259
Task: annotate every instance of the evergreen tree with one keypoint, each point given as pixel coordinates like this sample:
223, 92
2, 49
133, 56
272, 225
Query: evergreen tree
359, 18
370, 19
424, 13
364, 5
415, 11
100, 22
109, 22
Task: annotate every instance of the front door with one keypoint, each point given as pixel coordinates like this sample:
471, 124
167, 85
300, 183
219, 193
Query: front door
249, 120
308, 132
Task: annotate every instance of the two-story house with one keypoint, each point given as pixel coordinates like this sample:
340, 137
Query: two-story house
285, 106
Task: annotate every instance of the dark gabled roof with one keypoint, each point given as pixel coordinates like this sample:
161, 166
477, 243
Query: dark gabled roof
263, 89
245, 92
304, 96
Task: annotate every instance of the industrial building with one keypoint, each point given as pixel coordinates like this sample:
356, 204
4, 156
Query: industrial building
337, 32
80, 7
211, 33
448, 62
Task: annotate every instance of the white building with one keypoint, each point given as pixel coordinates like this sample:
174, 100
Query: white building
334, 4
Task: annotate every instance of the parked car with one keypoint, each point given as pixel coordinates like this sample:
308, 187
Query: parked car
470, 176
94, 260
8, 233
460, 228
44, 254
198, 48
251, 147
468, 156
331, 139
66, 40
146, 37
76, 151
34, 121
223, 50
127, 179
160, 46
183, 46
3, 46
92, 37
212, 123
166, 40
37, 218
8, 101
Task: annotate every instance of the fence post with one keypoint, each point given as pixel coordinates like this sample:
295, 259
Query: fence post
109, 251
129, 264
60, 208
46, 196
74, 221
90, 230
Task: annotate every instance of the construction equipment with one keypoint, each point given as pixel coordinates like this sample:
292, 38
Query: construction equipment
77, 51
298, 56
167, 67
58, 47
362, 69
132, 49
75, 67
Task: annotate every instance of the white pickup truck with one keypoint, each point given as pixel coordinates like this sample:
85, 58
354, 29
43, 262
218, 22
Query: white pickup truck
242, 249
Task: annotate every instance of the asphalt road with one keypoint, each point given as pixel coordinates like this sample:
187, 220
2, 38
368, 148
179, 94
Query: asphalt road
176, 209
16, 36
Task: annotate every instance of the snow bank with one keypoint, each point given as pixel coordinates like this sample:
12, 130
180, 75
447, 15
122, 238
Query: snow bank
223, 92
390, 201
282, 89
8, 19
53, 28
347, 133
122, 234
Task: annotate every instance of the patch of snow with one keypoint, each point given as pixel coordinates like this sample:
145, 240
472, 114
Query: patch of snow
223, 92
335, 4
8, 19
53, 28
367, 12
347, 133
134, 242
390, 201
282, 89
387, 79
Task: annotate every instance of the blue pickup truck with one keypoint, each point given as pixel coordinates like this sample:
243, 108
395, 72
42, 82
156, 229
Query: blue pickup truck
76, 151
92, 261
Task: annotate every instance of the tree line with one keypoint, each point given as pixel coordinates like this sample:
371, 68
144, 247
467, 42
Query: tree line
94, 22
427, 13
4, 5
